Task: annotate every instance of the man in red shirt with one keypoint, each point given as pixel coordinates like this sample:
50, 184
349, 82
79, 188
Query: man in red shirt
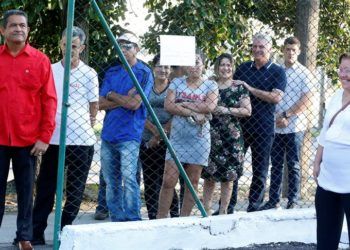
27, 114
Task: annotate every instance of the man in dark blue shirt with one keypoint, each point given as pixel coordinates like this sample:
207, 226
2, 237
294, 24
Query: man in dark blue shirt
122, 130
265, 82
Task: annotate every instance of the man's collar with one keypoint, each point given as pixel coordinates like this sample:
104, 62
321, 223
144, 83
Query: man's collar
27, 49
294, 66
266, 65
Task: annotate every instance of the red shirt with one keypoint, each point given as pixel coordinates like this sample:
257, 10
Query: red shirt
27, 97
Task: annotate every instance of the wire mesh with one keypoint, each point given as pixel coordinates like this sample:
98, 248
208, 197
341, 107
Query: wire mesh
241, 141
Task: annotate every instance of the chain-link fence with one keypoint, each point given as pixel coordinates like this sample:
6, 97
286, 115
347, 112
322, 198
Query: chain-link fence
243, 120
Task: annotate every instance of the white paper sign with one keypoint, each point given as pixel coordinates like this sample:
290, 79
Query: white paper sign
177, 50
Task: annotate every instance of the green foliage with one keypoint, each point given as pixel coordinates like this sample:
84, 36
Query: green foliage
334, 26
47, 20
218, 25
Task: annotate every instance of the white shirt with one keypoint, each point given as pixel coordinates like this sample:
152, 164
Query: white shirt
335, 166
83, 89
299, 82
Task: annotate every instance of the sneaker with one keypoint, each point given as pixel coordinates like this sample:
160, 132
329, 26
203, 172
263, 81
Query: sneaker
269, 205
25, 245
291, 205
100, 215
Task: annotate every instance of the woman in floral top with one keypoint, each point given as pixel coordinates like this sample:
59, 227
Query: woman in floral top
227, 146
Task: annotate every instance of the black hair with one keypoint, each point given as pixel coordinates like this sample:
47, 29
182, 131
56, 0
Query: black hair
155, 60
344, 56
9, 13
292, 40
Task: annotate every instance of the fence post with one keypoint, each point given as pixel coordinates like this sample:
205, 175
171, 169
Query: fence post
149, 108
65, 106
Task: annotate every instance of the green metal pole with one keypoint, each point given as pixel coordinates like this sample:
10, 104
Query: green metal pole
63, 131
150, 110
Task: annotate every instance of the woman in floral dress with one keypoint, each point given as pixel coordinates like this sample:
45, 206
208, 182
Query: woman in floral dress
227, 145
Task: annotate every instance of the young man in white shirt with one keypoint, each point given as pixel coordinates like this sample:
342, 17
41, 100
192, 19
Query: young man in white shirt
291, 123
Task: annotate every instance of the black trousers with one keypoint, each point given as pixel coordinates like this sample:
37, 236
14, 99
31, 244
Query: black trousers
152, 160
78, 162
330, 210
23, 165
260, 145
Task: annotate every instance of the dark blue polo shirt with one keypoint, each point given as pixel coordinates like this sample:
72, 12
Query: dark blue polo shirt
120, 124
269, 77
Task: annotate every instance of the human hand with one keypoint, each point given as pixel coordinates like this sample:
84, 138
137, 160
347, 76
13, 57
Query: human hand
153, 142
282, 122
92, 121
239, 82
132, 92
39, 148
200, 118
220, 110
316, 171
187, 105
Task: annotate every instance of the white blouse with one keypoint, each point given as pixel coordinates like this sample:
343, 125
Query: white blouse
335, 166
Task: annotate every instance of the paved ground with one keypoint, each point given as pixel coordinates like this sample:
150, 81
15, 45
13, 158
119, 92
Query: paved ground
8, 230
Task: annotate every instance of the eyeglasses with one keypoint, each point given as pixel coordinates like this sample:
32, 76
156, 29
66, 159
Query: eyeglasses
127, 46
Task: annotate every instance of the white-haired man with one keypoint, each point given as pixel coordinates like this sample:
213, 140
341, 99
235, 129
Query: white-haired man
80, 139
265, 82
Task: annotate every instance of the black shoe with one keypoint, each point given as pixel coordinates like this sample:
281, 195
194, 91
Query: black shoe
252, 208
291, 205
15, 242
230, 210
100, 215
174, 215
38, 241
269, 205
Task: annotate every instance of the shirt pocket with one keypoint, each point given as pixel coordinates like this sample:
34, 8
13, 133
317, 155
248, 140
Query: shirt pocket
30, 79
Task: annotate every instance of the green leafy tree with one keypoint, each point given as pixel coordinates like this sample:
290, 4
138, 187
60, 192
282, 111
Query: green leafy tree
334, 26
218, 25
47, 20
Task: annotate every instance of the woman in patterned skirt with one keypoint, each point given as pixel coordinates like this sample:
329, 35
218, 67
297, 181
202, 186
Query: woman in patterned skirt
227, 146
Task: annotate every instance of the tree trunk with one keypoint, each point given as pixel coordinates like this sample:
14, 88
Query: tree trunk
307, 22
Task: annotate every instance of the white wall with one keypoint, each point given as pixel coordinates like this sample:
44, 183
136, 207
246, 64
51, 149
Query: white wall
238, 230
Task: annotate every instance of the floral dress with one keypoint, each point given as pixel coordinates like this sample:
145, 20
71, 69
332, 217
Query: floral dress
227, 145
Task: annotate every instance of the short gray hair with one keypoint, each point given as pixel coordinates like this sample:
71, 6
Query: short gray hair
262, 36
76, 32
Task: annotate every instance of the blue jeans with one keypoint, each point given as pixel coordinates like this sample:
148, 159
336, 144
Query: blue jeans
285, 145
101, 199
119, 162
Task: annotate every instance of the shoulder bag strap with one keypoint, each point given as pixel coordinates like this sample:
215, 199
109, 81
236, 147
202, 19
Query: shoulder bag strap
336, 114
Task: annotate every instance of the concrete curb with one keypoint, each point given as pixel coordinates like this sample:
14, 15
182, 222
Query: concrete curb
238, 230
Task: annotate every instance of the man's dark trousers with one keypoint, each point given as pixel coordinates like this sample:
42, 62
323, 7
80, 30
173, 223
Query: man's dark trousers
23, 165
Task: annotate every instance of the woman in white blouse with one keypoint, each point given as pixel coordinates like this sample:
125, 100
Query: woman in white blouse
332, 164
